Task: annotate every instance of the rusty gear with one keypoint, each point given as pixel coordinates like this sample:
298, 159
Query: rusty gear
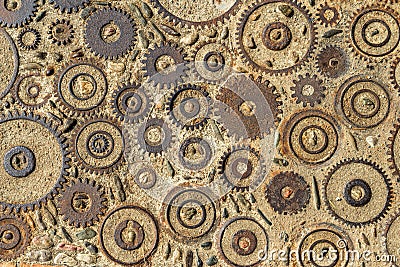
15, 236
30, 91
308, 90
82, 203
288, 193
69, 5
328, 15
332, 61
61, 32
395, 73
29, 42
394, 148
148, 130
16, 14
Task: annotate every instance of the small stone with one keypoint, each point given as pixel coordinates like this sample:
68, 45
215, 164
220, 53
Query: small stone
91, 247
212, 260
86, 258
190, 38
39, 255
206, 245
371, 140
64, 259
68, 247
88, 233
43, 241
286, 10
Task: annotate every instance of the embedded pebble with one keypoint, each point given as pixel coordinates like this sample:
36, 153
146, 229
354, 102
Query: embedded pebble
39, 255
190, 38
68, 247
43, 241
86, 234
86, 258
371, 140
64, 259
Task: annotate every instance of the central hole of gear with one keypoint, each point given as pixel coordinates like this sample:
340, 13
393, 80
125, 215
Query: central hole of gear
307, 90
154, 135
129, 233
357, 193
61, 32
244, 242
12, 5
83, 87
329, 14
145, 177
28, 38
165, 64
242, 167
110, 32
194, 152
19, 161
81, 202
287, 192
7, 235
376, 32
33, 91
247, 108
276, 35
333, 62
214, 61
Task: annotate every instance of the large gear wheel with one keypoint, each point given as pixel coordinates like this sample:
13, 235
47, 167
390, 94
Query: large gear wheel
165, 65
189, 13
308, 90
288, 193
276, 42
332, 61
82, 203
17, 13
357, 192
15, 236
69, 5
10, 58
110, 33
34, 157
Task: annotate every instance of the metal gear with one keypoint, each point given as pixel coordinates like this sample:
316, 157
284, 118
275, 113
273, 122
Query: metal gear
357, 192
188, 13
15, 236
332, 61
98, 145
390, 238
195, 153
30, 91
29, 39
16, 14
42, 162
288, 193
61, 32
165, 65
110, 33
154, 136
395, 73
275, 43
189, 106
10, 58
328, 15
308, 90
394, 148
82, 203
69, 5
131, 103
242, 168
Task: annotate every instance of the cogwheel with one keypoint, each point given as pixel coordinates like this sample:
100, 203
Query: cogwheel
17, 13
131, 103
31, 91
189, 106
394, 148
42, 161
332, 61
110, 33
274, 43
288, 193
82, 203
189, 13
69, 5
395, 73
165, 65
390, 238
242, 168
29, 39
61, 32
357, 192
328, 15
15, 236
308, 90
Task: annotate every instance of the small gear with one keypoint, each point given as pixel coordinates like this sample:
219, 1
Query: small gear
82, 203
165, 65
288, 193
15, 236
154, 136
42, 162
17, 13
332, 61
328, 15
247, 108
131, 103
61, 32
308, 90
98, 145
31, 91
274, 43
242, 168
189, 13
144, 175
189, 106
357, 192
69, 5
195, 153
110, 33
29, 39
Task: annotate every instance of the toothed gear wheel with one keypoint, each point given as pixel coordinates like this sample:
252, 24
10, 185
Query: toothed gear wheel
247, 108
274, 42
29, 39
165, 65
32, 91
391, 238
242, 168
37, 164
328, 15
61, 32
308, 90
131, 103
17, 13
288, 193
98, 145
189, 13
395, 74
189, 106
110, 33
82, 203
15, 236
332, 62
154, 136
357, 192
69, 6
